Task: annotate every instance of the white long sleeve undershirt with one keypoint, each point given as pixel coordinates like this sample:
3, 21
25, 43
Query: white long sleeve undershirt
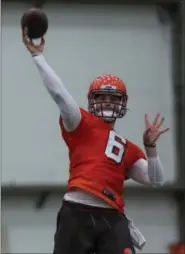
147, 172
143, 171
69, 110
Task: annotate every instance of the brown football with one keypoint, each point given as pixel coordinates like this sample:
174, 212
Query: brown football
36, 21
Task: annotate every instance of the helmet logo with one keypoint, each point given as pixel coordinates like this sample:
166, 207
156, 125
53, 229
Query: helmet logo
108, 87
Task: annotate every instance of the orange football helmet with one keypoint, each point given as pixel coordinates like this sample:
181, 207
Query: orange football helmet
107, 97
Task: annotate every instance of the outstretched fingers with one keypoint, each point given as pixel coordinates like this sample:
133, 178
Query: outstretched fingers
147, 123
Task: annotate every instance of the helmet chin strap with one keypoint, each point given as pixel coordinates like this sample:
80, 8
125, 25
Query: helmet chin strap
107, 117
109, 120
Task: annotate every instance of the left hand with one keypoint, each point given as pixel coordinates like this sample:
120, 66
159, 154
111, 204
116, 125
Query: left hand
152, 130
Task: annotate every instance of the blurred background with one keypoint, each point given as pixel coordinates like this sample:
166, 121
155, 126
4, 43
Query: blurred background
143, 45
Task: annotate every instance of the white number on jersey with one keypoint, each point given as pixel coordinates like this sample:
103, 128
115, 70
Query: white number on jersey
115, 147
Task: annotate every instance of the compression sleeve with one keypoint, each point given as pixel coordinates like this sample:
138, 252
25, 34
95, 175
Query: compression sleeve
148, 171
69, 110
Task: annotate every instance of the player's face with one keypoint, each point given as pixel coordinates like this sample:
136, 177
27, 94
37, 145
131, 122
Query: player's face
107, 100
109, 105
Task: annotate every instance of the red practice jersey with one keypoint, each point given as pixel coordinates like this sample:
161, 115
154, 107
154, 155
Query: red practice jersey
99, 158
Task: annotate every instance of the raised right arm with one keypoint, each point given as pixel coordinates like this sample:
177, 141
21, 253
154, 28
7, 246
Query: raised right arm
69, 110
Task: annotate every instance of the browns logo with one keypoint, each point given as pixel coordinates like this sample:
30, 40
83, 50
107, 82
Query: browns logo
127, 251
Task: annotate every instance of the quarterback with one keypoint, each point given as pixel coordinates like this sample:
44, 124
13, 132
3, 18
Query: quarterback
92, 218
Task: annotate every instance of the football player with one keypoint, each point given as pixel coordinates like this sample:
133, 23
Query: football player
91, 218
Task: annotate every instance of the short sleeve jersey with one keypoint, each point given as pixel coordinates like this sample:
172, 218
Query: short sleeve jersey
98, 155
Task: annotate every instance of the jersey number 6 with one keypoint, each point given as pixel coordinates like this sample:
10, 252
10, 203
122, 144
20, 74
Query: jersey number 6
115, 147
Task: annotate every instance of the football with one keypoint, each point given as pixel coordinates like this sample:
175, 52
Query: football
36, 21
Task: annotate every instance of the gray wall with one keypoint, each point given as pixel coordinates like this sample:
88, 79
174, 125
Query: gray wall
82, 43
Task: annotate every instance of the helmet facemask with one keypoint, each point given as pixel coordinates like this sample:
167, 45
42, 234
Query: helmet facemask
108, 104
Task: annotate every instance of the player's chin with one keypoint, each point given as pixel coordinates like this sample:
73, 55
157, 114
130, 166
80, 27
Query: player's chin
109, 120
107, 115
